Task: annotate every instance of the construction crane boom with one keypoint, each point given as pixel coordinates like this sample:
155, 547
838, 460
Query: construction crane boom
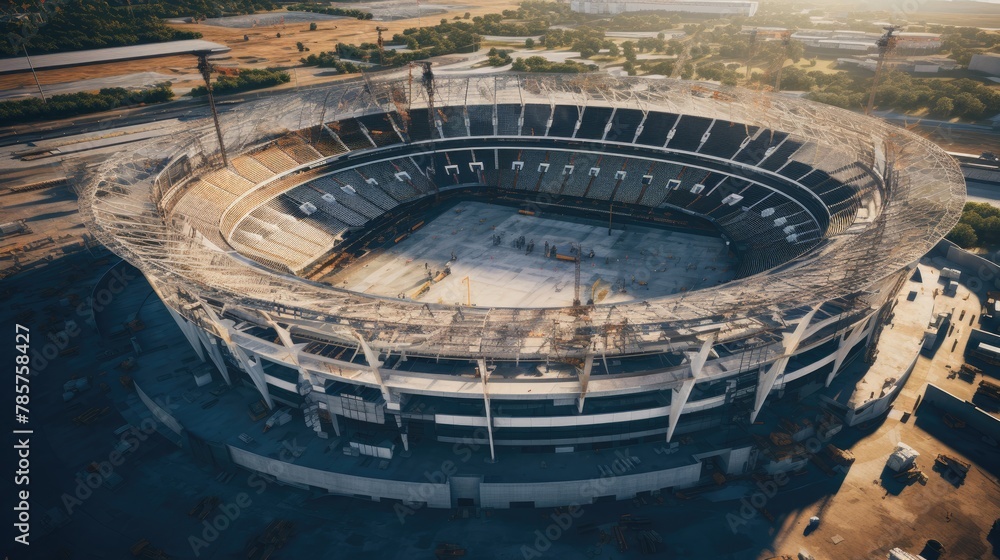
576, 279
786, 42
381, 45
886, 43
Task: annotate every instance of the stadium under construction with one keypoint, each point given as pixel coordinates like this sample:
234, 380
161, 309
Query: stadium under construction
519, 290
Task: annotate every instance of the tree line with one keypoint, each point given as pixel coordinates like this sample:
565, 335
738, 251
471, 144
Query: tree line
344, 12
85, 24
73, 104
979, 226
247, 79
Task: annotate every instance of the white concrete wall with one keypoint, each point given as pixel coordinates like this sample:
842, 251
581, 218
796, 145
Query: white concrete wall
161, 415
735, 461
552, 494
544, 494
435, 495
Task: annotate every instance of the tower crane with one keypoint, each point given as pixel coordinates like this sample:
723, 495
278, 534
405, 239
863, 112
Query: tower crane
381, 45
886, 44
786, 42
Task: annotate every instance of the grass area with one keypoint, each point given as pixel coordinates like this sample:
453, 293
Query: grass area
822, 65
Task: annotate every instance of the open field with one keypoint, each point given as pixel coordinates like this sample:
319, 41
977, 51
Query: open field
264, 49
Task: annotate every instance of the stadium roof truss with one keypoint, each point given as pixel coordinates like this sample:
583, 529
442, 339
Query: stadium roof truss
921, 200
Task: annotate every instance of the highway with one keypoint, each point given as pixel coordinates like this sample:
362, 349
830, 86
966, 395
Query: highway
983, 192
184, 109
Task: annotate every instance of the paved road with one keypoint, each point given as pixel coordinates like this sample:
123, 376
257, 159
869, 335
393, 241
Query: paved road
983, 192
182, 108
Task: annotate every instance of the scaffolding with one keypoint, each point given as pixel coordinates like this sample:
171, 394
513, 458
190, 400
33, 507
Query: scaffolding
128, 200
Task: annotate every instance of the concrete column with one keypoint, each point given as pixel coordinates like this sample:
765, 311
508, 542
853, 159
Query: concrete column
374, 365
190, 332
790, 344
844, 347
392, 401
215, 354
212, 345
484, 375
588, 365
294, 350
336, 424
255, 369
680, 395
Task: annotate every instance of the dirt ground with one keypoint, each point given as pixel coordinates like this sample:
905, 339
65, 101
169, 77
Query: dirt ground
264, 48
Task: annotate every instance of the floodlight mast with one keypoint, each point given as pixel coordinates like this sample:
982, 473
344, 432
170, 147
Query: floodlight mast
886, 43
206, 72
33, 74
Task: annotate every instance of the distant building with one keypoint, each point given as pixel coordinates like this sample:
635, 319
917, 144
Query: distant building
925, 42
765, 33
922, 65
843, 40
711, 7
989, 63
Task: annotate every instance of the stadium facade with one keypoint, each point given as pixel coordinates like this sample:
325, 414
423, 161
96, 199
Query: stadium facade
823, 211
707, 7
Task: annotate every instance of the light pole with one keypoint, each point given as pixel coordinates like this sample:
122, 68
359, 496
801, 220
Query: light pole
40, 92
206, 72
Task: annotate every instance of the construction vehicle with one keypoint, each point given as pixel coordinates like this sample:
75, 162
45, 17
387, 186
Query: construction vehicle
954, 464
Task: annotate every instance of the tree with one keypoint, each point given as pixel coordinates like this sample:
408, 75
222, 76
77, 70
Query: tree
529, 43
613, 49
944, 107
467, 15
963, 235
628, 49
312, 26
629, 67
967, 105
